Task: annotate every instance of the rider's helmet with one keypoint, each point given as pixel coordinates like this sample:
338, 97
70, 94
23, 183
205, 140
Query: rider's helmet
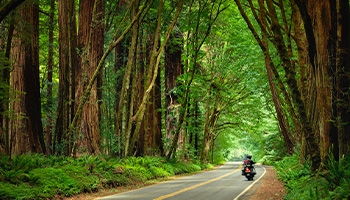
249, 156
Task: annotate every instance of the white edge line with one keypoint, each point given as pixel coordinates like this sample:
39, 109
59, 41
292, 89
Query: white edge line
250, 186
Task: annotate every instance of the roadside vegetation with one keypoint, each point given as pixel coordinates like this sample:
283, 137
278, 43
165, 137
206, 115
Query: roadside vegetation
332, 182
38, 176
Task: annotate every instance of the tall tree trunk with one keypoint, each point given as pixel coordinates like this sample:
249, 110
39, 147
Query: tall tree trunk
67, 65
196, 134
120, 62
157, 120
173, 69
27, 131
126, 84
91, 41
212, 116
290, 73
327, 30
152, 120
283, 122
342, 78
49, 79
142, 63
322, 44
112, 45
5, 91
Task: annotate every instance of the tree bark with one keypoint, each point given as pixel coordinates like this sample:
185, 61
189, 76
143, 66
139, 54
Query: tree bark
120, 62
8, 7
5, 91
283, 122
126, 83
49, 80
307, 130
154, 64
67, 64
342, 78
115, 40
27, 132
173, 69
91, 41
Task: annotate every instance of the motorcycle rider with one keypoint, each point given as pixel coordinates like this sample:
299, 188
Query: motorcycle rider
248, 162
249, 159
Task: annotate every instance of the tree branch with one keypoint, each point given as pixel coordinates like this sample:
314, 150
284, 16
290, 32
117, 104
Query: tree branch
8, 7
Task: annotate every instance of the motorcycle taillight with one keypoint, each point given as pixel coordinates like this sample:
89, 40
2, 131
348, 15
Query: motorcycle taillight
247, 169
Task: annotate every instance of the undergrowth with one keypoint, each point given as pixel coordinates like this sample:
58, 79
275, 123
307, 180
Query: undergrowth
332, 182
38, 176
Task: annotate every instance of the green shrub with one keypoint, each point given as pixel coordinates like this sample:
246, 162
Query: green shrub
302, 183
158, 172
169, 168
138, 173
20, 191
337, 175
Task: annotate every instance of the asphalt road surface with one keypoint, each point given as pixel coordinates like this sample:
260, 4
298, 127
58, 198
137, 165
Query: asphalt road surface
224, 183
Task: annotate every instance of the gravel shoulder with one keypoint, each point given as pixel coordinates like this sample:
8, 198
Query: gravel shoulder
268, 187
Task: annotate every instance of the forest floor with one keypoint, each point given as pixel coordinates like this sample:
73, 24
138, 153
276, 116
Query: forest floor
268, 187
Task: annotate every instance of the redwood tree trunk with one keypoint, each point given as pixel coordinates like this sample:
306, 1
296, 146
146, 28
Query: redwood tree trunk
67, 63
173, 69
91, 41
327, 30
27, 131
153, 135
342, 78
49, 79
5, 91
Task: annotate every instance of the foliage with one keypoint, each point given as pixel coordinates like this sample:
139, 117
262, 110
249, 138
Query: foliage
36, 176
302, 183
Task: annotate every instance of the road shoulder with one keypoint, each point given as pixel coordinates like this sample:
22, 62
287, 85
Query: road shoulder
268, 188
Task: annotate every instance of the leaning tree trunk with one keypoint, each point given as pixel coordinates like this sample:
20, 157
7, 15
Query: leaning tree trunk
290, 74
128, 149
27, 131
283, 122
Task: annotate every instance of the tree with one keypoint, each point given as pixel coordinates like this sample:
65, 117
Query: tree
8, 7
315, 97
173, 69
328, 56
202, 25
27, 132
67, 63
5, 88
90, 44
295, 104
49, 78
153, 66
117, 38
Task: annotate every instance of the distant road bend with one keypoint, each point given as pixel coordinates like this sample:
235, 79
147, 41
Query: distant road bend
224, 183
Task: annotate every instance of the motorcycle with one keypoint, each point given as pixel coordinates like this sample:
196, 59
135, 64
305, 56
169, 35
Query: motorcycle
248, 171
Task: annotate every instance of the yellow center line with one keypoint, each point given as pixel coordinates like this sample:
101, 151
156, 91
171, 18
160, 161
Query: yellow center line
195, 186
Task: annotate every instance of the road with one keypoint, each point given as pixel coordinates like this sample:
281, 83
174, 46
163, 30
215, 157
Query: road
224, 183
